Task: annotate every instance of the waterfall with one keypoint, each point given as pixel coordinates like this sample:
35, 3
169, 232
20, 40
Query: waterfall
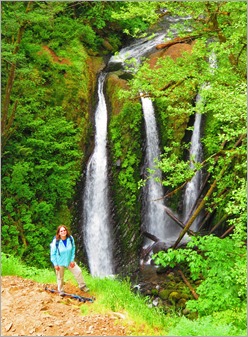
96, 213
156, 221
142, 47
154, 215
137, 49
97, 231
193, 186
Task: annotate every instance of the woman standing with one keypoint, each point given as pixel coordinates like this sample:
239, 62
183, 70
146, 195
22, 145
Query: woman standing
62, 256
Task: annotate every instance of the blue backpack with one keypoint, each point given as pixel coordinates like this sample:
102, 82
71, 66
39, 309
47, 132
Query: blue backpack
57, 243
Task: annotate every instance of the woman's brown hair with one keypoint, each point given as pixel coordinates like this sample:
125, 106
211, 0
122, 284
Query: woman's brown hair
67, 232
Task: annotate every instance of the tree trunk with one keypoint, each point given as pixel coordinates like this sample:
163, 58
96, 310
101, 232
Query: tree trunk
227, 232
151, 236
199, 196
206, 217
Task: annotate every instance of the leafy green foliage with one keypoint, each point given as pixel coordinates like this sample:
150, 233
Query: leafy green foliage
42, 155
103, 22
37, 184
169, 163
12, 265
209, 326
220, 264
135, 18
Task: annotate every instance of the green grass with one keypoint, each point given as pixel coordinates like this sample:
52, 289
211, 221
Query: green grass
11, 265
113, 295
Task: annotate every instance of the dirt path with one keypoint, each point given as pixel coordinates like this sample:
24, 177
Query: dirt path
29, 310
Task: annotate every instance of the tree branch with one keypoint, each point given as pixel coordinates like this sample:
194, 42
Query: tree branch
188, 284
199, 208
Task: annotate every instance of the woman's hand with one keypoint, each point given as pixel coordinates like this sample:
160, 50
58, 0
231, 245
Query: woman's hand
57, 267
72, 264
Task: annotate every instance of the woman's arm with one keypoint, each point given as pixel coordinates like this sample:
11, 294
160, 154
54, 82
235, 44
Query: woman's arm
73, 250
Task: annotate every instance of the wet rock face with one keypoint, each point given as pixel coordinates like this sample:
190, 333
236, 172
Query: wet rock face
158, 246
174, 52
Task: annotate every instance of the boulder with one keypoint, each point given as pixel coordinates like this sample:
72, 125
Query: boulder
173, 51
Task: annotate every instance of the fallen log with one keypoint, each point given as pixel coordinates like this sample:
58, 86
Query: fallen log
188, 284
151, 236
173, 217
184, 39
155, 247
206, 218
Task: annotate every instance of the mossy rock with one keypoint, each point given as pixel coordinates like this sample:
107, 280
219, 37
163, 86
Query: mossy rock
154, 292
177, 279
192, 315
161, 270
107, 45
171, 276
172, 285
186, 311
164, 294
185, 296
174, 296
182, 303
114, 85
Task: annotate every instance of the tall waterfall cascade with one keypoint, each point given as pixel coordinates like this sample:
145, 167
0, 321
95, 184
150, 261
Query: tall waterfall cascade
96, 213
193, 186
156, 221
154, 215
192, 189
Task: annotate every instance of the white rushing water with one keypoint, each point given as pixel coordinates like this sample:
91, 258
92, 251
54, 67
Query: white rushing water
97, 231
144, 46
156, 221
193, 186
137, 49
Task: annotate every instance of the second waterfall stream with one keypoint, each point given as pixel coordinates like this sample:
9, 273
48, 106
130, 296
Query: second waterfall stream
156, 221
